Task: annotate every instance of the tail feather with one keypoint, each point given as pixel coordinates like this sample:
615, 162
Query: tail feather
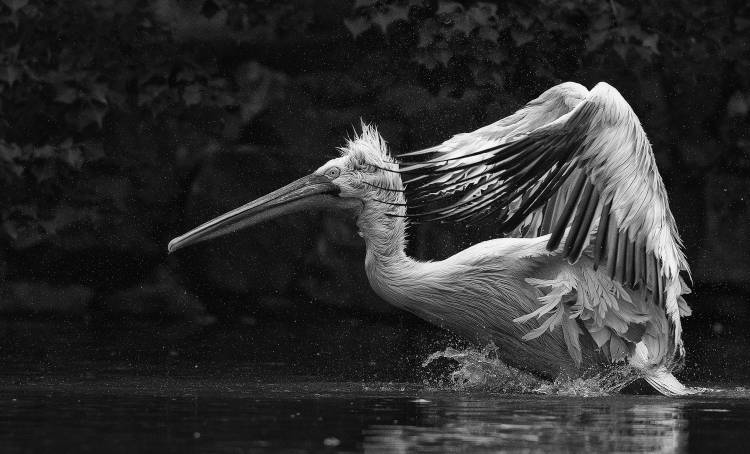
660, 377
663, 381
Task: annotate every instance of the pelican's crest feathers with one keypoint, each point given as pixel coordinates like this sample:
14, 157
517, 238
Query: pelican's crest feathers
368, 148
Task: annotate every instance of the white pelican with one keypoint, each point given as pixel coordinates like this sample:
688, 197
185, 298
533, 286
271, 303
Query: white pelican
589, 274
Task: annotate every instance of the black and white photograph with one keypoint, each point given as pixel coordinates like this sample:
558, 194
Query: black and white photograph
374, 226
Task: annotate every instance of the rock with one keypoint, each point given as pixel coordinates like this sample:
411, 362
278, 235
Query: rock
39, 298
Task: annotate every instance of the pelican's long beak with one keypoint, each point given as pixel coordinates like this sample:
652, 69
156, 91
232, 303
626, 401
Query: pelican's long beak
312, 191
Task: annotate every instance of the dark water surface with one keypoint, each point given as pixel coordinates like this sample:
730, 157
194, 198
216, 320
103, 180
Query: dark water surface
75, 389
120, 412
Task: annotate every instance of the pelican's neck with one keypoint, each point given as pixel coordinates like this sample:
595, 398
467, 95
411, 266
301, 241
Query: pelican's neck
425, 289
394, 276
384, 235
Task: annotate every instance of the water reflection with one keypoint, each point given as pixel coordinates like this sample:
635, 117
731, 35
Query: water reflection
573, 425
205, 414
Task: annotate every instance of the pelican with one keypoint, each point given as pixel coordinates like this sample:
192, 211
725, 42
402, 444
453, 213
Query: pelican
588, 273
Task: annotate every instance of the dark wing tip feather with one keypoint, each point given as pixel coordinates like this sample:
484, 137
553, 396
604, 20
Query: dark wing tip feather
586, 216
601, 235
562, 221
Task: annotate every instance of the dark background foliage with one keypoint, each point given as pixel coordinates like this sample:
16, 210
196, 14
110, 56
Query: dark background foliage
124, 123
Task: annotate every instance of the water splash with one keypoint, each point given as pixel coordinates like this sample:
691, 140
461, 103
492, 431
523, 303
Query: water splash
483, 370
604, 383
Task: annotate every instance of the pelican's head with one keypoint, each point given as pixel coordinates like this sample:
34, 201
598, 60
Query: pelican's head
359, 178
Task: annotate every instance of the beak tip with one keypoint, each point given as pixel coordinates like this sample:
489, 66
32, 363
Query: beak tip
172, 246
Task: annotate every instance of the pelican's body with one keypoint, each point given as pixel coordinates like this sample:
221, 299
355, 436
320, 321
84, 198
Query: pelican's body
589, 274
476, 293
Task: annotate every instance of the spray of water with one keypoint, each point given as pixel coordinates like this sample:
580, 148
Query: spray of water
482, 370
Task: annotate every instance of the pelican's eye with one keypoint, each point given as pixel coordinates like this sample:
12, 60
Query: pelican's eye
333, 173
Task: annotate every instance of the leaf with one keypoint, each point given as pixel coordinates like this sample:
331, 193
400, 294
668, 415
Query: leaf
483, 14
596, 40
12, 52
737, 105
449, 7
11, 229
426, 59
15, 5
66, 94
497, 56
365, 3
602, 22
9, 152
93, 114
357, 26
223, 99
93, 151
192, 95
521, 37
621, 50
43, 152
443, 56
488, 34
150, 92
9, 74
186, 75
11, 18
99, 92
390, 15
463, 25
525, 22
428, 32
652, 43
63, 217
73, 157
44, 171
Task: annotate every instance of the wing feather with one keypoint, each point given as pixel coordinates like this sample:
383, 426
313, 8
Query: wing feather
574, 164
462, 154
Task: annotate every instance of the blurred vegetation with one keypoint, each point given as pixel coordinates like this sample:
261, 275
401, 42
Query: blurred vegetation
122, 123
72, 70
